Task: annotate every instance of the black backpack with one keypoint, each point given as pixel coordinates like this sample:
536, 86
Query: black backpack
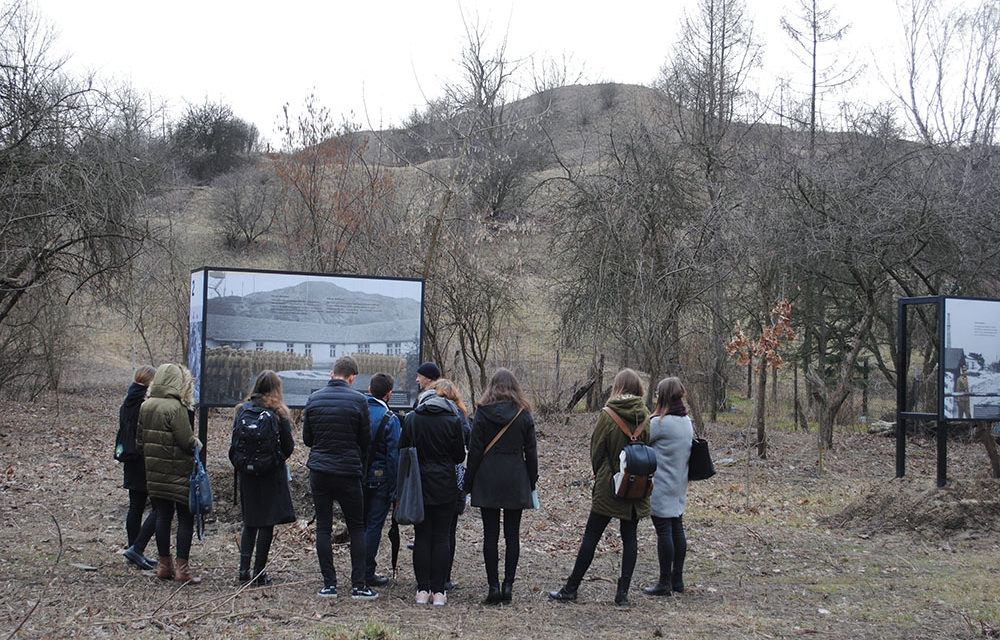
256, 444
637, 464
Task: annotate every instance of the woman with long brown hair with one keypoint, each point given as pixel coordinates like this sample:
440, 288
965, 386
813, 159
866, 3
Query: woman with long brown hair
606, 443
670, 435
265, 499
503, 470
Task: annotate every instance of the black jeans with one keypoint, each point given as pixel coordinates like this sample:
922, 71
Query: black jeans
431, 550
596, 524
491, 540
671, 548
139, 531
347, 492
452, 543
164, 520
260, 537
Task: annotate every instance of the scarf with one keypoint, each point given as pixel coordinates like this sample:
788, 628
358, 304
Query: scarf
677, 408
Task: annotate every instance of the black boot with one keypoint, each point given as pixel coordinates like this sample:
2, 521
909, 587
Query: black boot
621, 595
659, 589
566, 594
493, 597
677, 574
245, 575
505, 591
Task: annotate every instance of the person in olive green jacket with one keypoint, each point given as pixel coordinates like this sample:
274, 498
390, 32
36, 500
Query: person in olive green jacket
166, 438
606, 443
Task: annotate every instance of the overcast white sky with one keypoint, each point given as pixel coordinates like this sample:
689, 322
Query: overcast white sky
378, 60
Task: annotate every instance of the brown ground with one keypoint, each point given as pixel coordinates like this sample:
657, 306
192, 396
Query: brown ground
846, 553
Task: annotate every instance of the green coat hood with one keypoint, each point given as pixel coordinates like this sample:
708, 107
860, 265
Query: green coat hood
168, 382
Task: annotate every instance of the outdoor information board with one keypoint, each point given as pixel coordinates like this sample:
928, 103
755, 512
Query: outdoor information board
243, 322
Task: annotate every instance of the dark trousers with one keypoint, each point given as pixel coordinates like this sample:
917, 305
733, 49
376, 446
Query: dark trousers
452, 543
139, 531
596, 524
164, 519
377, 505
491, 540
347, 492
671, 548
431, 551
259, 537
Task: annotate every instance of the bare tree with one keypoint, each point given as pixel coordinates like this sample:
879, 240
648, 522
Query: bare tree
811, 29
73, 164
951, 89
631, 254
335, 203
246, 203
706, 79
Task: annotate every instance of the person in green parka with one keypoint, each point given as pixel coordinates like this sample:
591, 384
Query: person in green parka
606, 443
166, 438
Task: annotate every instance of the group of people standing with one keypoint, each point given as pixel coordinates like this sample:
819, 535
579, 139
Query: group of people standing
354, 441
156, 444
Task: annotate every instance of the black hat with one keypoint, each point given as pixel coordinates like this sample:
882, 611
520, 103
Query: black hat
429, 370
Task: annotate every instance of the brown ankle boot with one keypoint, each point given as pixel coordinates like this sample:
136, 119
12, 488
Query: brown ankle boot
165, 568
183, 572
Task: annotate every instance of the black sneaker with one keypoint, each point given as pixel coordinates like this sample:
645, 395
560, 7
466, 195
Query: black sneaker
363, 593
329, 591
377, 581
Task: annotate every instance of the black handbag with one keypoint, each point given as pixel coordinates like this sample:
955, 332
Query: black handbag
700, 465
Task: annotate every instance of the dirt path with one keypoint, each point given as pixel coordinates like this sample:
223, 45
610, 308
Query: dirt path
847, 553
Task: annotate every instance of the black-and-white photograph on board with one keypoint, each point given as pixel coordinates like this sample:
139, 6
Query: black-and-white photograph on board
971, 359
298, 324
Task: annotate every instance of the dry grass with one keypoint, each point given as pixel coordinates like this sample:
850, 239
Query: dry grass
846, 553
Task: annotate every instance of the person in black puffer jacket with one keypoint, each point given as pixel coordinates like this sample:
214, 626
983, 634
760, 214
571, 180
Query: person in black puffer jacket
139, 531
336, 428
435, 429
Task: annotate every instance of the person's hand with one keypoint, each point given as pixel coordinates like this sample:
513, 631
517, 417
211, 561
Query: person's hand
198, 443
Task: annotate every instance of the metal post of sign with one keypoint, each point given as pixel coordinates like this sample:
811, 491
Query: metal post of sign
203, 432
942, 453
900, 388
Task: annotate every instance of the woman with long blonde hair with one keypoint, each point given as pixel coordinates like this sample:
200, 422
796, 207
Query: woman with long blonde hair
265, 500
447, 389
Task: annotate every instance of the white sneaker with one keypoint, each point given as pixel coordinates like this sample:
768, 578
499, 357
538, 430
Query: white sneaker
423, 597
440, 599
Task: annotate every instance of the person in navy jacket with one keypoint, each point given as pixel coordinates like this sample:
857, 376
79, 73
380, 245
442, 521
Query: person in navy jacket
380, 478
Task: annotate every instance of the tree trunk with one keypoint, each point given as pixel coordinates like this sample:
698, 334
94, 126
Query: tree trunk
801, 416
759, 411
986, 437
699, 424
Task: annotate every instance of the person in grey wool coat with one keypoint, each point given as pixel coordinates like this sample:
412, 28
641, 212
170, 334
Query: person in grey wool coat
670, 435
